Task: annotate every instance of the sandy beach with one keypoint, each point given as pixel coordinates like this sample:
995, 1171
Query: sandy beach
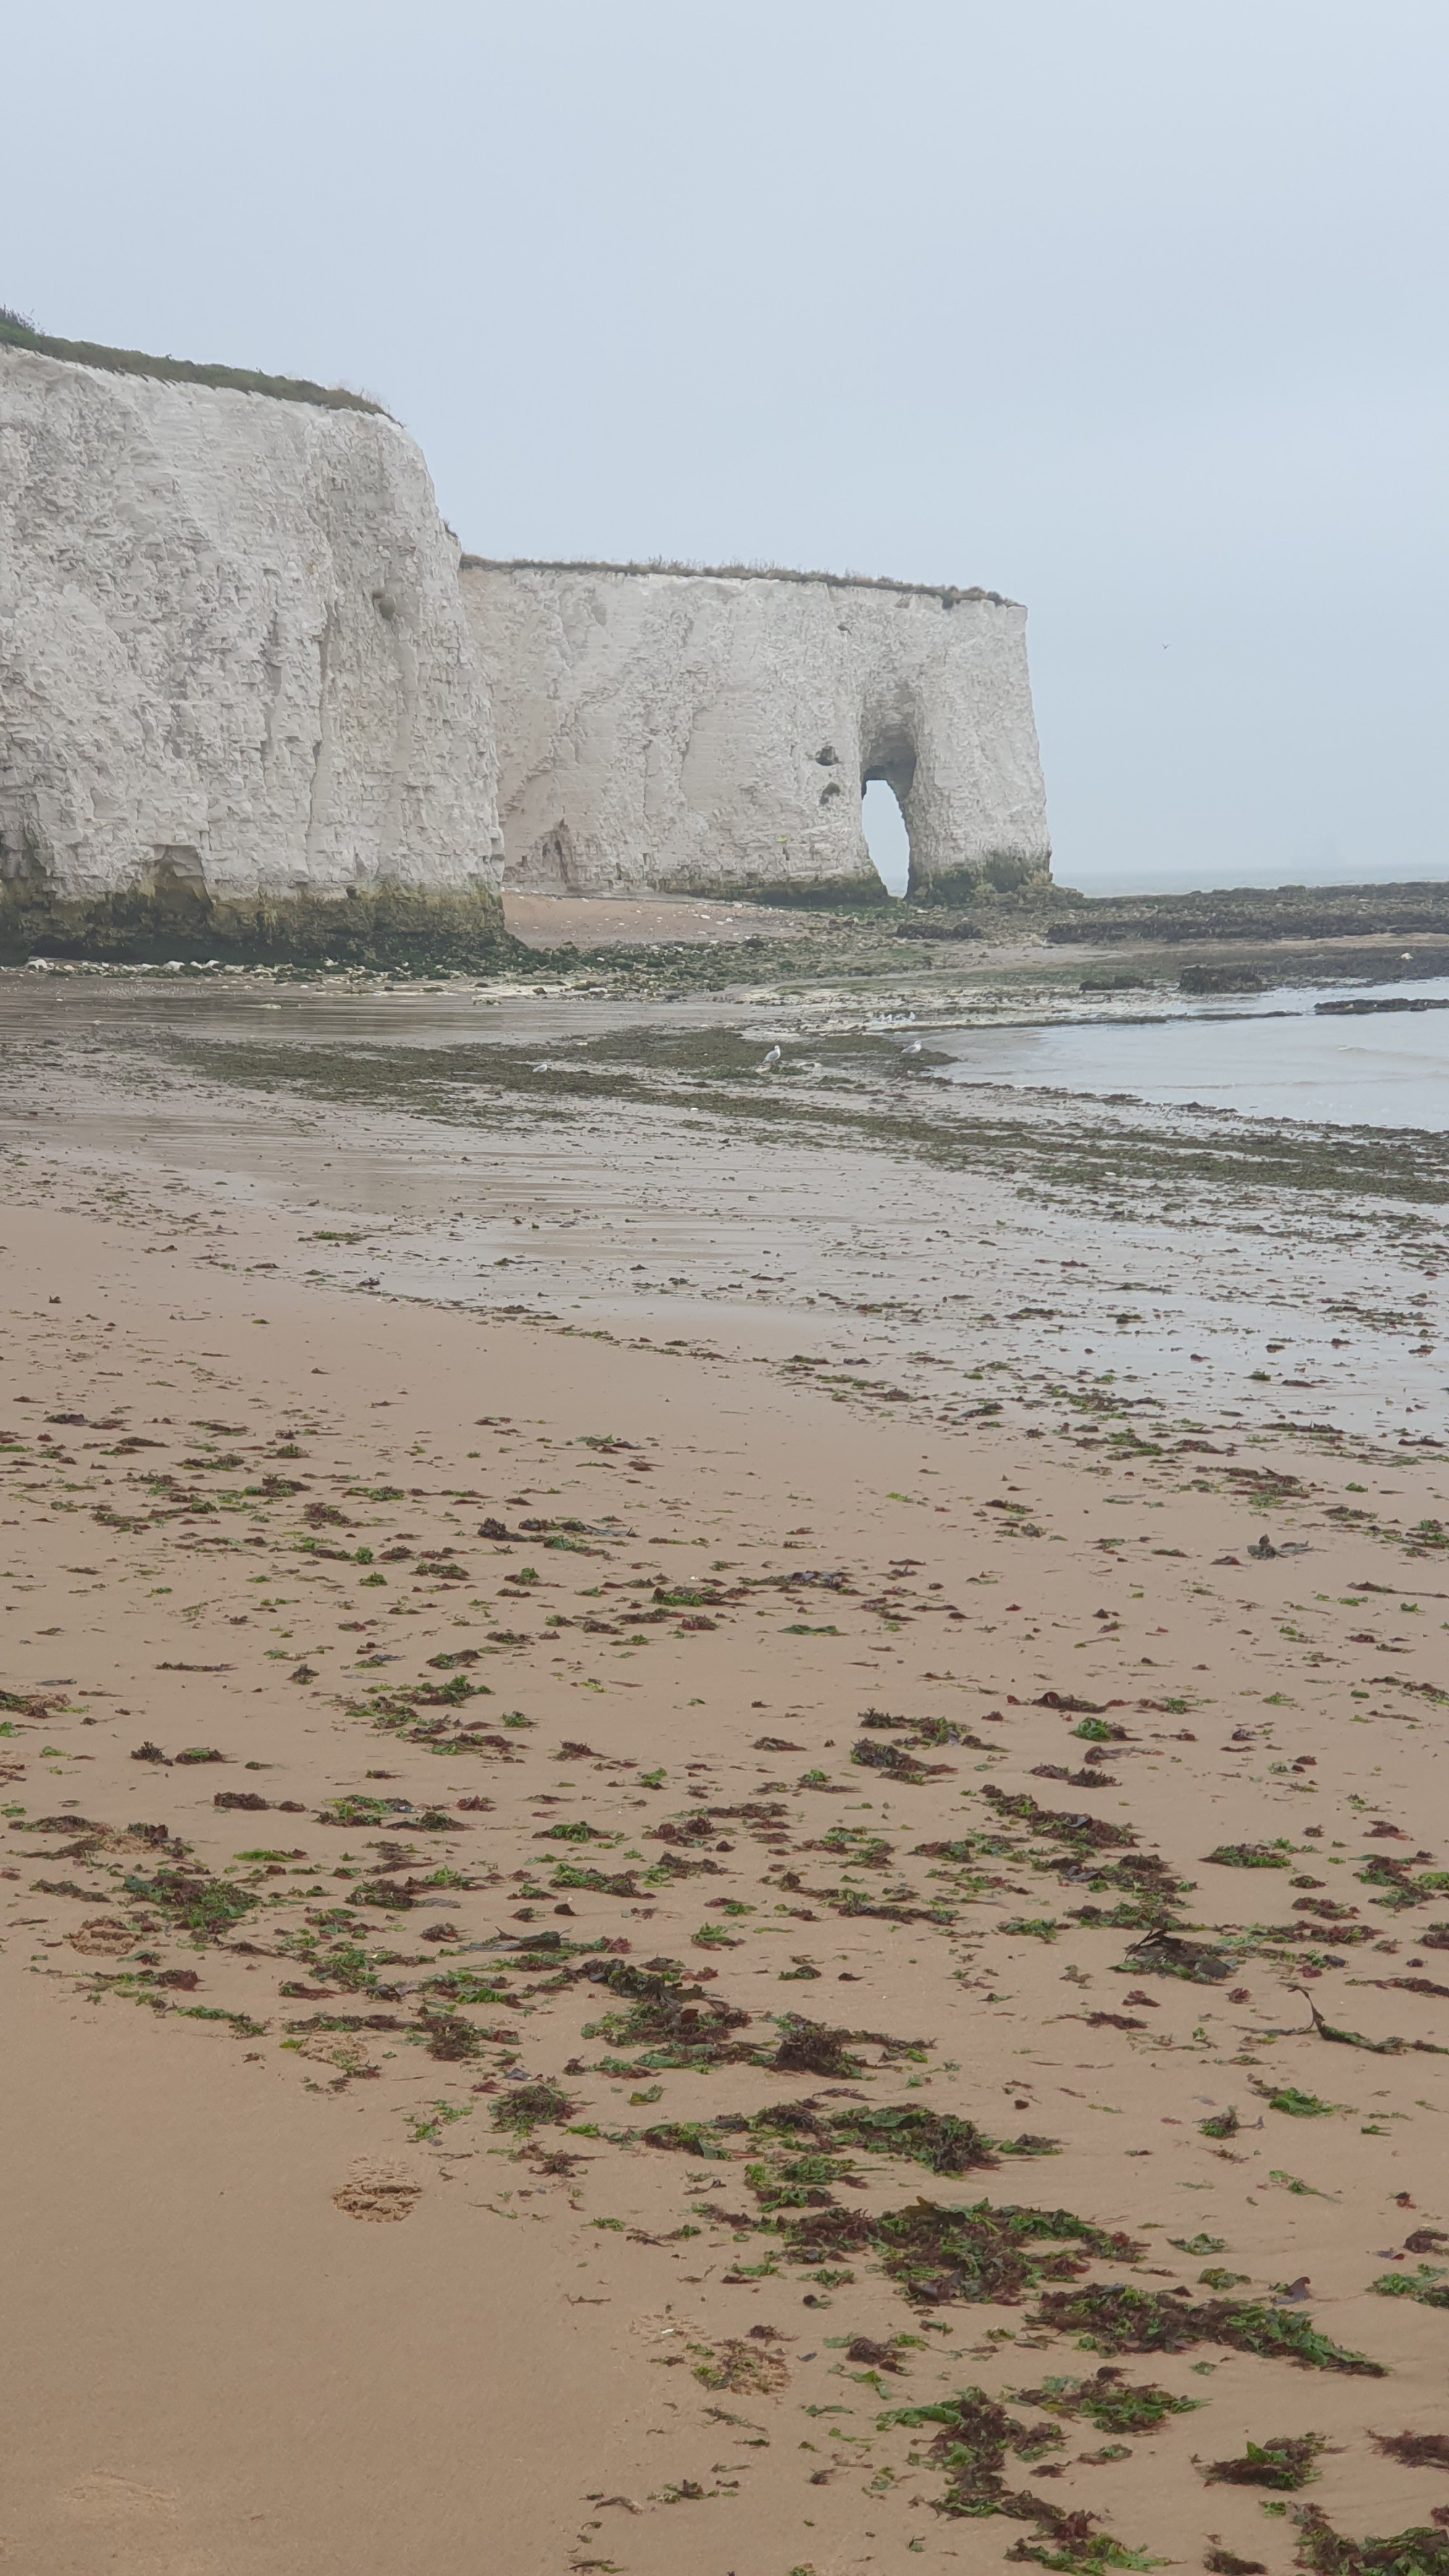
1002, 1586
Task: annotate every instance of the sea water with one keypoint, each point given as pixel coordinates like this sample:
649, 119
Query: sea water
1275, 1056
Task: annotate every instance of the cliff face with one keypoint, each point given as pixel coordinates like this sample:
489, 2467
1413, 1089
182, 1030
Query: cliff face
241, 680
233, 658
712, 731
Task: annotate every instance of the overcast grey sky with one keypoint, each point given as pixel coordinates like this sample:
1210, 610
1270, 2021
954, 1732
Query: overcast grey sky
1134, 309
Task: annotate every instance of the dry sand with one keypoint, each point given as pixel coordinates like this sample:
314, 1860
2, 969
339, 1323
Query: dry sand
337, 2234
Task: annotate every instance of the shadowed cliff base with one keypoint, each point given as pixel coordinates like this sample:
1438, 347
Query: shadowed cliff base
865, 892
386, 925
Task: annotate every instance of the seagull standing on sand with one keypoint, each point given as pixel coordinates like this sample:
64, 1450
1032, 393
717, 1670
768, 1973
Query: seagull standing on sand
772, 1058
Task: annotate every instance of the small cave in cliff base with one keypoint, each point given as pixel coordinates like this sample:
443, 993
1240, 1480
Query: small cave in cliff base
177, 882
886, 836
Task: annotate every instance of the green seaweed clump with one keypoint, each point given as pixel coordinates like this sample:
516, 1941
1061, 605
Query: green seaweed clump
1299, 2106
1399, 1885
470, 1986
1323, 2551
936, 2254
1108, 2403
1118, 2317
539, 2105
446, 2035
973, 2436
896, 1762
974, 2433
206, 1907
1073, 2548
673, 2021
1425, 2284
700, 2138
810, 2048
1082, 1834
594, 1882
1168, 1954
1414, 2450
1285, 2460
938, 2140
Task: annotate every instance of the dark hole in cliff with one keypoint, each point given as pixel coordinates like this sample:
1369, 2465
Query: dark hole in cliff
886, 837
178, 882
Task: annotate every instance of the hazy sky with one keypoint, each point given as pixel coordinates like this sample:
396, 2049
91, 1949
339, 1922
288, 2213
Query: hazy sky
1134, 309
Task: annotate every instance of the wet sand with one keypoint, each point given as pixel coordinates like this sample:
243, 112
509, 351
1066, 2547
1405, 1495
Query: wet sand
389, 2186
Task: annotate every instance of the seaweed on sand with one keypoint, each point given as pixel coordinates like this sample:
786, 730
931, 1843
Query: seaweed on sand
594, 1882
936, 2253
1426, 2285
938, 2140
426, 1714
446, 2035
810, 2048
1116, 2316
1082, 1833
796, 2181
897, 1762
1108, 2402
1297, 2104
1168, 1954
1355, 2038
1069, 2544
195, 1902
1414, 2450
945, 1730
471, 1986
539, 2105
745, 2366
973, 2436
667, 2017
1284, 2460
1397, 1880
1324, 2551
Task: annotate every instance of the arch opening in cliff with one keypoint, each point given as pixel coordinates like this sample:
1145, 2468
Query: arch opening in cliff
887, 835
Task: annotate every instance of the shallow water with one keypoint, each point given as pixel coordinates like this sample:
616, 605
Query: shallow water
1272, 1057
640, 1215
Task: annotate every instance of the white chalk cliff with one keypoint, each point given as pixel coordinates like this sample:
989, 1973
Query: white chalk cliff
241, 661
233, 654
709, 731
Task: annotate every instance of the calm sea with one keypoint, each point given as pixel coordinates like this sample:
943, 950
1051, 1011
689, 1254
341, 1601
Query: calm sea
1273, 1056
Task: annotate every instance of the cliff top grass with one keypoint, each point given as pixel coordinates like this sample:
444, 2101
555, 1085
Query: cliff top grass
16, 333
946, 592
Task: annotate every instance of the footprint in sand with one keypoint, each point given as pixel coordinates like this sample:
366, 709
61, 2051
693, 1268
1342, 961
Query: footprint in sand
103, 1936
101, 2495
378, 2191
